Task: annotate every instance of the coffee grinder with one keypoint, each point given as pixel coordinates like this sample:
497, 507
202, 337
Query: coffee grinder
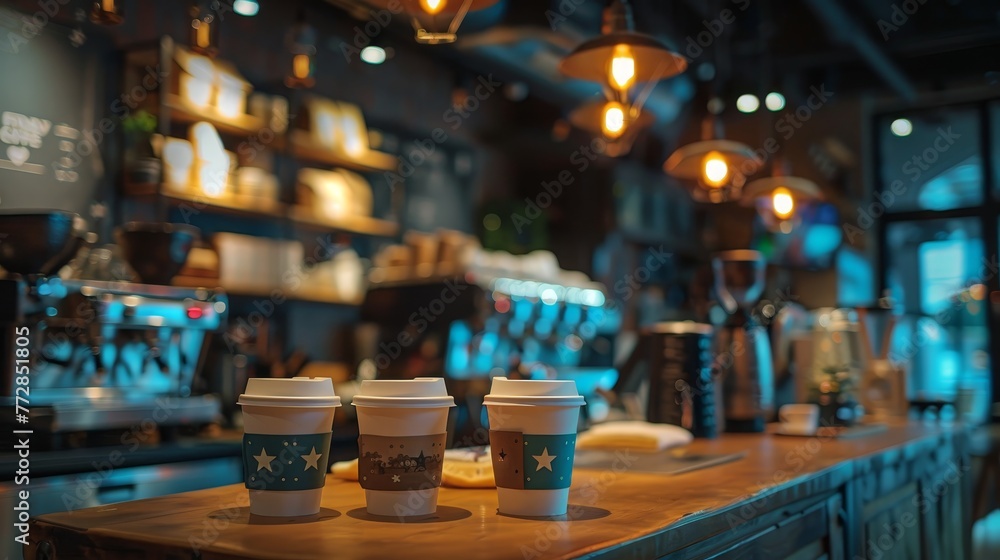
741, 345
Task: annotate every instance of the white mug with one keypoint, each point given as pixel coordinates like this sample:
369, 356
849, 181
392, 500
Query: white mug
799, 419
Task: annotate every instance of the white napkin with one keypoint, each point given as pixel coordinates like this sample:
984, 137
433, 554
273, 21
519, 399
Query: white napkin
643, 436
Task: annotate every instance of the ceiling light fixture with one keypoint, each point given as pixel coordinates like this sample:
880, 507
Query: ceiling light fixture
620, 57
717, 166
774, 101
616, 123
777, 198
435, 21
205, 27
747, 103
901, 127
302, 46
248, 8
373, 54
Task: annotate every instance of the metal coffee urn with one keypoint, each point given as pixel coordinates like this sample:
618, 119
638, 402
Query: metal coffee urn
741, 347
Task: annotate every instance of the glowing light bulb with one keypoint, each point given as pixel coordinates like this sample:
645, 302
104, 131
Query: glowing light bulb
202, 36
301, 66
782, 203
715, 169
432, 7
613, 123
622, 71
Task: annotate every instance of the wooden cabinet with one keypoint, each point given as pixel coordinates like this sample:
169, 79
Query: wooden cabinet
910, 502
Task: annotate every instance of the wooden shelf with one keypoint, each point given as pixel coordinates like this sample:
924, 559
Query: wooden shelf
402, 276
257, 207
303, 148
306, 294
182, 111
352, 224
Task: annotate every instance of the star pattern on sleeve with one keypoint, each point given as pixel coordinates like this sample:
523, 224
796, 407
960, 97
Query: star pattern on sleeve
264, 460
312, 459
544, 460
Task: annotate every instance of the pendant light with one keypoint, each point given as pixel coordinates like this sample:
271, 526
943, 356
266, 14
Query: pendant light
777, 198
302, 46
621, 58
106, 12
205, 27
617, 124
435, 21
717, 166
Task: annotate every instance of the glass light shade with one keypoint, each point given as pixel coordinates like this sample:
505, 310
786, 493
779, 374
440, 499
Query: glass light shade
591, 117
778, 199
718, 167
301, 74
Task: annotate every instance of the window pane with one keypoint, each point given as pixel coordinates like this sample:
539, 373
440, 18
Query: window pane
930, 160
935, 273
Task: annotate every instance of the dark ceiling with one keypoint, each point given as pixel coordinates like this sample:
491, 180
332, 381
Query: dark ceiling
894, 47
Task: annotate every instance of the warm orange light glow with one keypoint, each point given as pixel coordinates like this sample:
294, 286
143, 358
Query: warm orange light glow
300, 66
715, 170
201, 34
432, 7
782, 203
622, 69
108, 5
613, 122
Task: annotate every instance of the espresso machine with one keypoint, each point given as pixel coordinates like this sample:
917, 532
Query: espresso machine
104, 355
112, 403
741, 345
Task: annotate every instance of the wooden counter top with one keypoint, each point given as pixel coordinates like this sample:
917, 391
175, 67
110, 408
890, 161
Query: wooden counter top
612, 514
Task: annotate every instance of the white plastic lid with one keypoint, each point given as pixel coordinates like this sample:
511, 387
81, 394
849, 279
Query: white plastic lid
549, 392
297, 392
421, 392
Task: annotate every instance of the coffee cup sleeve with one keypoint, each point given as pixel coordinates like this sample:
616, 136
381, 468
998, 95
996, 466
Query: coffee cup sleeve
285, 462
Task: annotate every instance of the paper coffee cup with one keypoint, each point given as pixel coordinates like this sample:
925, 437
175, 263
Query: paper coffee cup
287, 424
404, 430
532, 439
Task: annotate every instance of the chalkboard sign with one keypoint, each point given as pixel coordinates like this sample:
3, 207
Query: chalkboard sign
53, 147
